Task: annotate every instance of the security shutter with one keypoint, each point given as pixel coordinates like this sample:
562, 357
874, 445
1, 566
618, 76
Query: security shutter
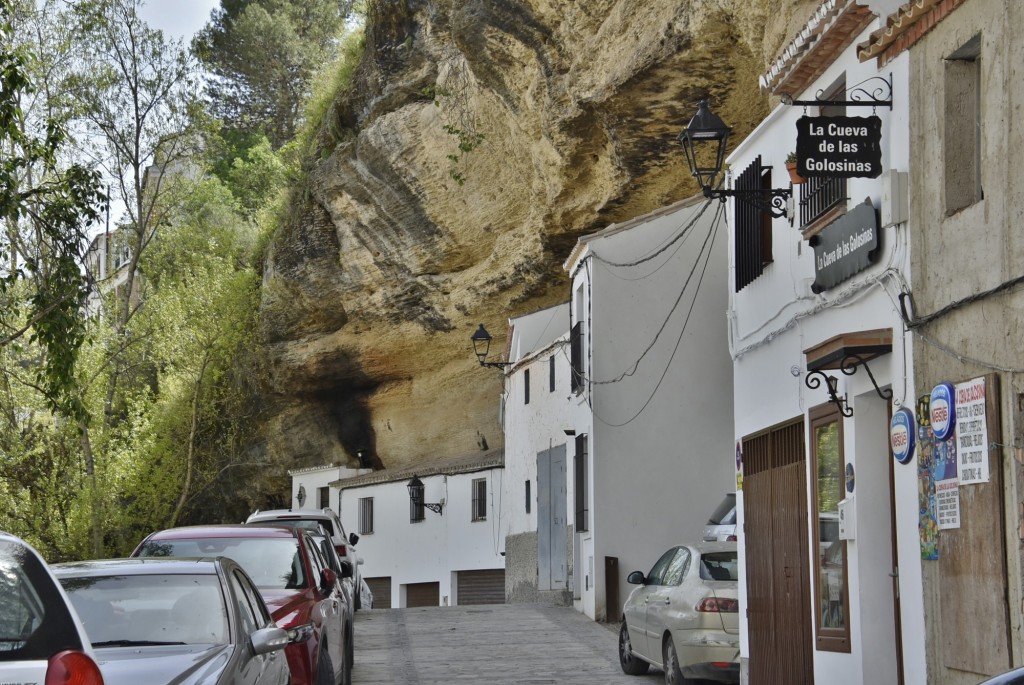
381, 589
481, 587
423, 594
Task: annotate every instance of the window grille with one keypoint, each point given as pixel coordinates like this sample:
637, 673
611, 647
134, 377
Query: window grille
365, 515
582, 483
479, 499
576, 356
753, 226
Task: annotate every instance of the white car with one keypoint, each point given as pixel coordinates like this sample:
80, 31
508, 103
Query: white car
41, 637
684, 617
312, 519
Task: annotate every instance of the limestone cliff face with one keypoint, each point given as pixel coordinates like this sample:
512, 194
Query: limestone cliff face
388, 263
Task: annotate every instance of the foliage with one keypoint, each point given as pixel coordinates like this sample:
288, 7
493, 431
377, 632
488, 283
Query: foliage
262, 55
45, 208
332, 80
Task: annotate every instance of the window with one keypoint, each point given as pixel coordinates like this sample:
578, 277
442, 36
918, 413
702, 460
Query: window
416, 508
323, 496
581, 484
753, 226
660, 570
576, 357
479, 499
526, 386
551, 373
528, 497
365, 515
962, 133
831, 596
821, 198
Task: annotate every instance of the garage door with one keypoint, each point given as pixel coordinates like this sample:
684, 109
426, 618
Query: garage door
482, 587
381, 589
422, 594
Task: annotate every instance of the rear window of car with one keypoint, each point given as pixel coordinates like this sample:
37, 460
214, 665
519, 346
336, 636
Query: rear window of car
305, 524
725, 514
271, 563
34, 620
156, 608
719, 566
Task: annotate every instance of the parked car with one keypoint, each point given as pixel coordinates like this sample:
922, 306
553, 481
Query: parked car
684, 617
300, 589
176, 622
1012, 677
311, 519
343, 570
42, 639
722, 524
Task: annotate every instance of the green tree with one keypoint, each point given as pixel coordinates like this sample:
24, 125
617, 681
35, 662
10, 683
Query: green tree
262, 55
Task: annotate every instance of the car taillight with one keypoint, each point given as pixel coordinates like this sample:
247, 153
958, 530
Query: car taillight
341, 550
72, 668
714, 604
731, 538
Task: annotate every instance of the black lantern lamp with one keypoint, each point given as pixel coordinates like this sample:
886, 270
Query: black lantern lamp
704, 141
416, 495
482, 345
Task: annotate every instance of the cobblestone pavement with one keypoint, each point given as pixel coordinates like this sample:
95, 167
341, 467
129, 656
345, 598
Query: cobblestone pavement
511, 644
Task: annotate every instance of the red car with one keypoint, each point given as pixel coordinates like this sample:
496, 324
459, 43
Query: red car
300, 589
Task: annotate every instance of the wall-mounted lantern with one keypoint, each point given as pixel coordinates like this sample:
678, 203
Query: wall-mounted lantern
415, 487
482, 346
704, 141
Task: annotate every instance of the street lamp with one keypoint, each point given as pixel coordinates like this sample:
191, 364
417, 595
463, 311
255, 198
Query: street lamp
415, 487
704, 141
482, 345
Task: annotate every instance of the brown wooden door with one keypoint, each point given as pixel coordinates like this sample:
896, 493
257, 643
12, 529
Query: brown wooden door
381, 590
481, 587
778, 574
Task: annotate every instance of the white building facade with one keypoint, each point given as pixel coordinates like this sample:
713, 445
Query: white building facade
536, 521
830, 555
447, 551
651, 395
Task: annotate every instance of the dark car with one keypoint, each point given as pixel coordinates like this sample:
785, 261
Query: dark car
176, 621
299, 587
41, 637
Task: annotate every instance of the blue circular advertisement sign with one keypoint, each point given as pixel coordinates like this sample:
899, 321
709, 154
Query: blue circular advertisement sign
901, 435
849, 478
943, 411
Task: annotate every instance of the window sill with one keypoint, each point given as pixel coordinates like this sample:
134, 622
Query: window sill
818, 225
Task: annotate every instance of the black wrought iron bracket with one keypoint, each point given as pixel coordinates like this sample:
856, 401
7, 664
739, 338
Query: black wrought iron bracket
848, 366
496, 365
813, 381
775, 201
436, 508
867, 93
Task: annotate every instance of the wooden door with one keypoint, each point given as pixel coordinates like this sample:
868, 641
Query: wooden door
778, 573
423, 594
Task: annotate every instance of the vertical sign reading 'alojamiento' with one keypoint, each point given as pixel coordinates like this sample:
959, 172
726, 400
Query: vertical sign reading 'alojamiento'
971, 432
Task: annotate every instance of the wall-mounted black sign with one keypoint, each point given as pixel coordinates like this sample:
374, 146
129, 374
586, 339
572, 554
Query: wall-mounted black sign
845, 247
839, 147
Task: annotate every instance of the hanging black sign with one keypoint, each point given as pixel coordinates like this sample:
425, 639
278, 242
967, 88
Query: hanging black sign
839, 147
846, 246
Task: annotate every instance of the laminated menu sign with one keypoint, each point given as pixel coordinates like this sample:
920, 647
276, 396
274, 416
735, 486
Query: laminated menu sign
947, 503
971, 432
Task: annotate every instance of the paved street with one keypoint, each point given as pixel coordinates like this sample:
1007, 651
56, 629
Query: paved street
495, 645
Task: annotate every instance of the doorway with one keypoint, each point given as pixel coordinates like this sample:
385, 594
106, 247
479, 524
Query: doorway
552, 529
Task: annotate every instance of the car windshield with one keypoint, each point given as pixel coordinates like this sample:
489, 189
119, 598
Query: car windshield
150, 609
719, 566
725, 514
272, 563
312, 525
34, 620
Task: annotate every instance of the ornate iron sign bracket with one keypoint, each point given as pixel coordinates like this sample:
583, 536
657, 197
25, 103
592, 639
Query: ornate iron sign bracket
775, 201
873, 92
849, 366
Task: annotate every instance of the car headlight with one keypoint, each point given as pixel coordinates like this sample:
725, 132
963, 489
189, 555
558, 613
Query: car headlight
300, 633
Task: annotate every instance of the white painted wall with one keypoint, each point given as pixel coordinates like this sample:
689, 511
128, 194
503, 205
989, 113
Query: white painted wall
313, 479
775, 318
661, 435
431, 550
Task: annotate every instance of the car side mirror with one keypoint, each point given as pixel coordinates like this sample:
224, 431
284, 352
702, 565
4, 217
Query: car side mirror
327, 580
636, 578
268, 640
353, 538
346, 569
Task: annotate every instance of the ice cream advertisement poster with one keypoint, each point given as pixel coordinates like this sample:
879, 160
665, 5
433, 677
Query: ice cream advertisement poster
928, 525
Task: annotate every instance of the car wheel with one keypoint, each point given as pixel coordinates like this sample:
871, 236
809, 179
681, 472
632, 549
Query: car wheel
349, 654
631, 665
325, 670
673, 676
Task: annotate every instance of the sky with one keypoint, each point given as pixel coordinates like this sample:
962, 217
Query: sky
178, 18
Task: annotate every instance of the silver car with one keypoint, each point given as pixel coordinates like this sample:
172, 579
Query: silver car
182, 621
41, 636
684, 617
